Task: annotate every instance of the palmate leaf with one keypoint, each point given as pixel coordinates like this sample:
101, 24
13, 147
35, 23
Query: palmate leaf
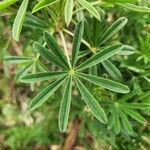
90, 8
17, 25
91, 102
48, 55
51, 42
105, 83
6, 3
125, 122
41, 76
77, 41
112, 70
45, 94
42, 4
65, 106
113, 29
133, 114
17, 59
101, 56
68, 11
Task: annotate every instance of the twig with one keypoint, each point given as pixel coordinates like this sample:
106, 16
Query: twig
73, 134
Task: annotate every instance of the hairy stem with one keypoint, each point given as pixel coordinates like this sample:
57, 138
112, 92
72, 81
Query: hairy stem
83, 41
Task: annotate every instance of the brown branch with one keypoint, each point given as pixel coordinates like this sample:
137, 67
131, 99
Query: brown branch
73, 134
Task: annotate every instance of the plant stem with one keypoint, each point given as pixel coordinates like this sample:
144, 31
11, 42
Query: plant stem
65, 47
83, 41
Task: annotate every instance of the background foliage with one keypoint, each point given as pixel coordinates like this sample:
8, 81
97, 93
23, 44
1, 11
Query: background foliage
123, 23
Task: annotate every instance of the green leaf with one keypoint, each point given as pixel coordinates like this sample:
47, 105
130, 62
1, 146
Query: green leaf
6, 3
127, 50
120, 1
111, 120
126, 122
93, 70
101, 56
16, 59
51, 42
128, 96
135, 8
135, 115
43, 4
41, 76
112, 70
48, 55
90, 8
83, 54
17, 25
113, 29
23, 71
41, 67
68, 11
79, 14
91, 102
34, 22
65, 106
116, 121
45, 94
77, 41
105, 83
142, 106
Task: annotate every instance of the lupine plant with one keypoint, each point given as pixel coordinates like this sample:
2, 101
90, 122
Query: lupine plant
70, 72
103, 66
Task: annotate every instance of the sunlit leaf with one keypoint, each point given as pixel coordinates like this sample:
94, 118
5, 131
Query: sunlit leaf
42, 4
6, 3
19, 19
68, 11
90, 8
